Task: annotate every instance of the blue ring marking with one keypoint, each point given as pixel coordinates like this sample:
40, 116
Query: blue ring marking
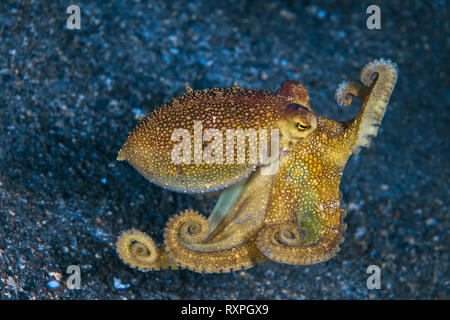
304, 172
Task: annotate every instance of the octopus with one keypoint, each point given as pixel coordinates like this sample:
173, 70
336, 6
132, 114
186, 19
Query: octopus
291, 216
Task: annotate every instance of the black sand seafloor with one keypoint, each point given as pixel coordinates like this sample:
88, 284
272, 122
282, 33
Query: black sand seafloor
68, 99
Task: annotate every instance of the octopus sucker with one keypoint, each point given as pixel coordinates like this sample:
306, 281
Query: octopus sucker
290, 214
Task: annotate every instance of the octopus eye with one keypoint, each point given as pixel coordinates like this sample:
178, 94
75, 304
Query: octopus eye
302, 126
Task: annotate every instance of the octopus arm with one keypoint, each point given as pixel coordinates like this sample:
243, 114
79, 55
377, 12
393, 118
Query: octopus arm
346, 90
314, 239
184, 247
278, 243
139, 251
305, 225
183, 239
380, 76
227, 240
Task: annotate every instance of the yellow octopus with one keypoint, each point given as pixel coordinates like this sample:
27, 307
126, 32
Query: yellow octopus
292, 216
